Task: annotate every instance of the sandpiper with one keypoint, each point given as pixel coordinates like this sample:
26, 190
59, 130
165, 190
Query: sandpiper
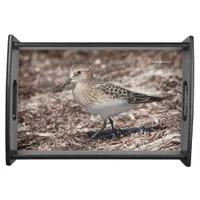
98, 97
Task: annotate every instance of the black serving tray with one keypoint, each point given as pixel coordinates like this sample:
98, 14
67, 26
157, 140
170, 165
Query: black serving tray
14, 45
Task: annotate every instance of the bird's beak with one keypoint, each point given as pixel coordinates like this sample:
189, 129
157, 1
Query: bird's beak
66, 82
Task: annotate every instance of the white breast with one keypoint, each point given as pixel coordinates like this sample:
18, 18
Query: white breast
109, 108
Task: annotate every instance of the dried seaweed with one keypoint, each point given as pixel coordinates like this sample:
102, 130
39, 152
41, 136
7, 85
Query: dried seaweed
53, 121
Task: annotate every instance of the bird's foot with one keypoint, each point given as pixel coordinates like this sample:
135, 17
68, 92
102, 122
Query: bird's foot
116, 133
93, 136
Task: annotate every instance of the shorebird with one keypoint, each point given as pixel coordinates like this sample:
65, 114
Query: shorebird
99, 97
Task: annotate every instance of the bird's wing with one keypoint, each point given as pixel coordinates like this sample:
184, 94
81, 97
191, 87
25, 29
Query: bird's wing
116, 92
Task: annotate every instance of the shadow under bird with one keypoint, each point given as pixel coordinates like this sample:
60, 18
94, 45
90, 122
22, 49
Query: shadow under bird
98, 97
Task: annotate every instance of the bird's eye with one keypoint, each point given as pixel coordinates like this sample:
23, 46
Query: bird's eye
78, 72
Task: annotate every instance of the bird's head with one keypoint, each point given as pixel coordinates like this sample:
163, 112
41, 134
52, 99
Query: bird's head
78, 74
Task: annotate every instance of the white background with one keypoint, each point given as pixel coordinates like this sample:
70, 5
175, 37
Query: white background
102, 21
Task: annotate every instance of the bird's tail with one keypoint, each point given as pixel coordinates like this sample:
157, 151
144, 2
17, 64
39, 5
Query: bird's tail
154, 99
137, 98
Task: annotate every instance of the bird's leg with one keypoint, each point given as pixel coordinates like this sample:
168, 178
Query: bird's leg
102, 128
112, 125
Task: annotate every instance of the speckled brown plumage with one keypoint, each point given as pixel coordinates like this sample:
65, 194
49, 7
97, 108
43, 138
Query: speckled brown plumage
117, 92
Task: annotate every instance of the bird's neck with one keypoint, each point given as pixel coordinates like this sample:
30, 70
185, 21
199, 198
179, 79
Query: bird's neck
86, 82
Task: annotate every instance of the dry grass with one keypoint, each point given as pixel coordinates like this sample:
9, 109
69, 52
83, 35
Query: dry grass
52, 121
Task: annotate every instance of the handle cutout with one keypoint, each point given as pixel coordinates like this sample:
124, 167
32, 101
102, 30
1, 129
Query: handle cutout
185, 97
14, 102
